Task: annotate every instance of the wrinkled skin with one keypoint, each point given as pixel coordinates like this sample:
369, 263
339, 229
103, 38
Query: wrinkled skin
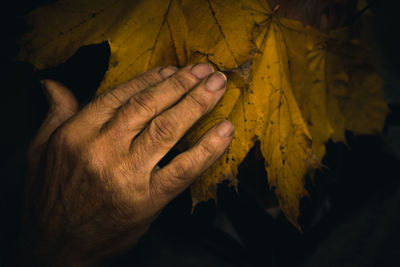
93, 186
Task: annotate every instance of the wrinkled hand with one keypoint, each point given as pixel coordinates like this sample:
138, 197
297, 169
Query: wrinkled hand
94, 186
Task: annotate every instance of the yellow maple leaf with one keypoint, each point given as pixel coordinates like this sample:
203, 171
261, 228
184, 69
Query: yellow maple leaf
291, 87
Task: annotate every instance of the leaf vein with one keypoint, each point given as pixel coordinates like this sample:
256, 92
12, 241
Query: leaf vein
221, 31
158, 34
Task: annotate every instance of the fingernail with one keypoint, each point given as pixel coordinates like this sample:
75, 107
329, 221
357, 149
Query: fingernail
225, 129
202, 70
217, 81
168, 71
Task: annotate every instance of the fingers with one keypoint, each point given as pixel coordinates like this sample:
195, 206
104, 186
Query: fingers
122, 92
165, 130
170, 181
142, 107
62, 105
106, 104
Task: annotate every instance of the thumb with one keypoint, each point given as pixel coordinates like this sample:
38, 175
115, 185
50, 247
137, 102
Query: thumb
62, 103
62, 106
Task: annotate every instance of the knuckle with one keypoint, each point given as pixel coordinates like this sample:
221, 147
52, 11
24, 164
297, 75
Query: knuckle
138, 83
180, 169
64, 138
161, 130
159, 187
151, 77
110, 98
166, 185
136, 157
97, 157
199, 103
206, 150
91, 158
92, 151
144, 103
178, 84
135, 84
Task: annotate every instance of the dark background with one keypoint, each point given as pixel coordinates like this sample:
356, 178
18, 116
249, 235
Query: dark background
352, 219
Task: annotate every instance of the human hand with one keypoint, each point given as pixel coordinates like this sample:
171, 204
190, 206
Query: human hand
93, 185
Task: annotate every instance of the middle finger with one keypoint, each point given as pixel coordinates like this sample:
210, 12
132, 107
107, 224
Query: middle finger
142, 107
165, 130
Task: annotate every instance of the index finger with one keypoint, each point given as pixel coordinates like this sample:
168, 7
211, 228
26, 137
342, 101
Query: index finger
105, 105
